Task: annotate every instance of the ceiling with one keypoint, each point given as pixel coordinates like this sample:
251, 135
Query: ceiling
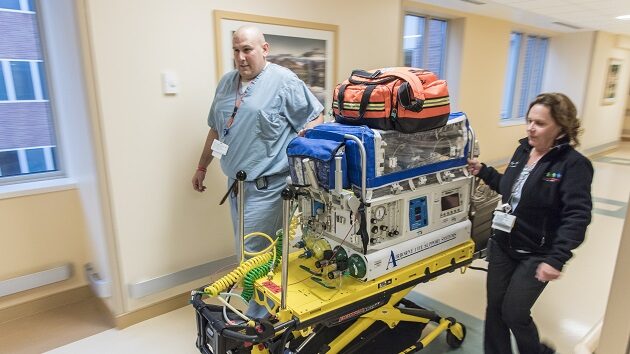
586, 15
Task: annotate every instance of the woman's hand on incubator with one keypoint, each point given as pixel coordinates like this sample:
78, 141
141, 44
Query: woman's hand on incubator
474, 166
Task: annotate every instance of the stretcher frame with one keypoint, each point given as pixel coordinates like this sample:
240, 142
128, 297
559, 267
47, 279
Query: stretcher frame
366, 304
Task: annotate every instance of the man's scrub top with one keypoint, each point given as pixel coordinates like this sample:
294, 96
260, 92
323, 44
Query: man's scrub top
274, 107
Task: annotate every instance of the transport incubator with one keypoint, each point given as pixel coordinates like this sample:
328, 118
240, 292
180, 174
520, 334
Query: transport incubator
368, 215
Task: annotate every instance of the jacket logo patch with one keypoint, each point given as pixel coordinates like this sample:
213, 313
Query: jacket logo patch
552, 177
513, 164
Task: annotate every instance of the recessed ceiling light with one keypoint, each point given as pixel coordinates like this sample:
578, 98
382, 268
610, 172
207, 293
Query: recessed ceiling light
623, 17
567, 25
476, 2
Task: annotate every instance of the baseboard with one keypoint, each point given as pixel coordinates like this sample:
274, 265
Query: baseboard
168, 281
82, 293
46, 303
153, 310
171, 304
590, 342
599, 150
35, 280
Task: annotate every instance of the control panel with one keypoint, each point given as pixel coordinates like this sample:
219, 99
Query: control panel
418, 216
385, 222
438, 202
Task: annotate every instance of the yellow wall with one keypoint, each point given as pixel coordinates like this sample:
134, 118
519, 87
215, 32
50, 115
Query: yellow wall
484, 52
484, 63
40, 232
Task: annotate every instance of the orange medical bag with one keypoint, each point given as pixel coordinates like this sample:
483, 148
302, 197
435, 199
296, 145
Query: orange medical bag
405, 99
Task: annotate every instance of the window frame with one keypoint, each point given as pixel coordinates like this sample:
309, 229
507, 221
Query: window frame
425, 46
514, 80
35, 67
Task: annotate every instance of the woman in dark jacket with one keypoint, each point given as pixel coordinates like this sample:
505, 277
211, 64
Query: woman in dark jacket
546, 196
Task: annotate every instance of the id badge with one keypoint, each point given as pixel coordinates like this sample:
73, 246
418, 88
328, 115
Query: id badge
219, 149
503, 221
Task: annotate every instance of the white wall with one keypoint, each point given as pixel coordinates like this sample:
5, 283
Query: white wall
42, 230
152, 142
568, 65
624, 43
616, 327
603, 123
79, 142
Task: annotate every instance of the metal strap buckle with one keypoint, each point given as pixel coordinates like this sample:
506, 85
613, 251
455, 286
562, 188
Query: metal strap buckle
262, 183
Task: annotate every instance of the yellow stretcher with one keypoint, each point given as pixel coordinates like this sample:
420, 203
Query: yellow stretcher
312, 304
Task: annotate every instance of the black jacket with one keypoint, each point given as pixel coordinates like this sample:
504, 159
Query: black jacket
555, 205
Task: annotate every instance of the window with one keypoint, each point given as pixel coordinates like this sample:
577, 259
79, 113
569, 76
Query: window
22, 80
523, 78
27, 131
424, 43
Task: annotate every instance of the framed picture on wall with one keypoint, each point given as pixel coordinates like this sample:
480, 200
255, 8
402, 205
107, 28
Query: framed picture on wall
306, 48
612, 81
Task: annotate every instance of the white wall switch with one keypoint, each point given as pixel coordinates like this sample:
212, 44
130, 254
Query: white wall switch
170, 84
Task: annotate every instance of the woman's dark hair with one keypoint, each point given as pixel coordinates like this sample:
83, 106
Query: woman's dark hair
563, 112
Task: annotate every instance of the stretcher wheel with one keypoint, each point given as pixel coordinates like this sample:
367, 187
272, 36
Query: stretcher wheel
455, 335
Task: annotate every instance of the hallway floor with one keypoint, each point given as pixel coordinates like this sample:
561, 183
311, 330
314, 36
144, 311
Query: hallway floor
566, 311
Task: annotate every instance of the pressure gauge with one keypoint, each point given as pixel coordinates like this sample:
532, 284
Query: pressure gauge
379, 212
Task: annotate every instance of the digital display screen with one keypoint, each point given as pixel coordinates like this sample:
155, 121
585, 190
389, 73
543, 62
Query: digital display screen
450, 201
418, 212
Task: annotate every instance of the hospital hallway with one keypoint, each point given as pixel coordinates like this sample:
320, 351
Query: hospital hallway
567, 310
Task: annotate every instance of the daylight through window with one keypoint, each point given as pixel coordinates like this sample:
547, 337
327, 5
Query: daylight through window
28, 146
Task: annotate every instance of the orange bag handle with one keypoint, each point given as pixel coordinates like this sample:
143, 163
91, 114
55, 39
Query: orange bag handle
365, 100
410, 93
411, 78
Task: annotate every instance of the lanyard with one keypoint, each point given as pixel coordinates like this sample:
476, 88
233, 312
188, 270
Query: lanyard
237, 103
239, 98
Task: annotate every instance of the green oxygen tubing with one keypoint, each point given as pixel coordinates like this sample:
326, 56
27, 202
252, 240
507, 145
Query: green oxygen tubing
263, 263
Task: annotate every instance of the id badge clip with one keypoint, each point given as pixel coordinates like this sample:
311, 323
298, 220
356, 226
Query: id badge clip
502, 219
